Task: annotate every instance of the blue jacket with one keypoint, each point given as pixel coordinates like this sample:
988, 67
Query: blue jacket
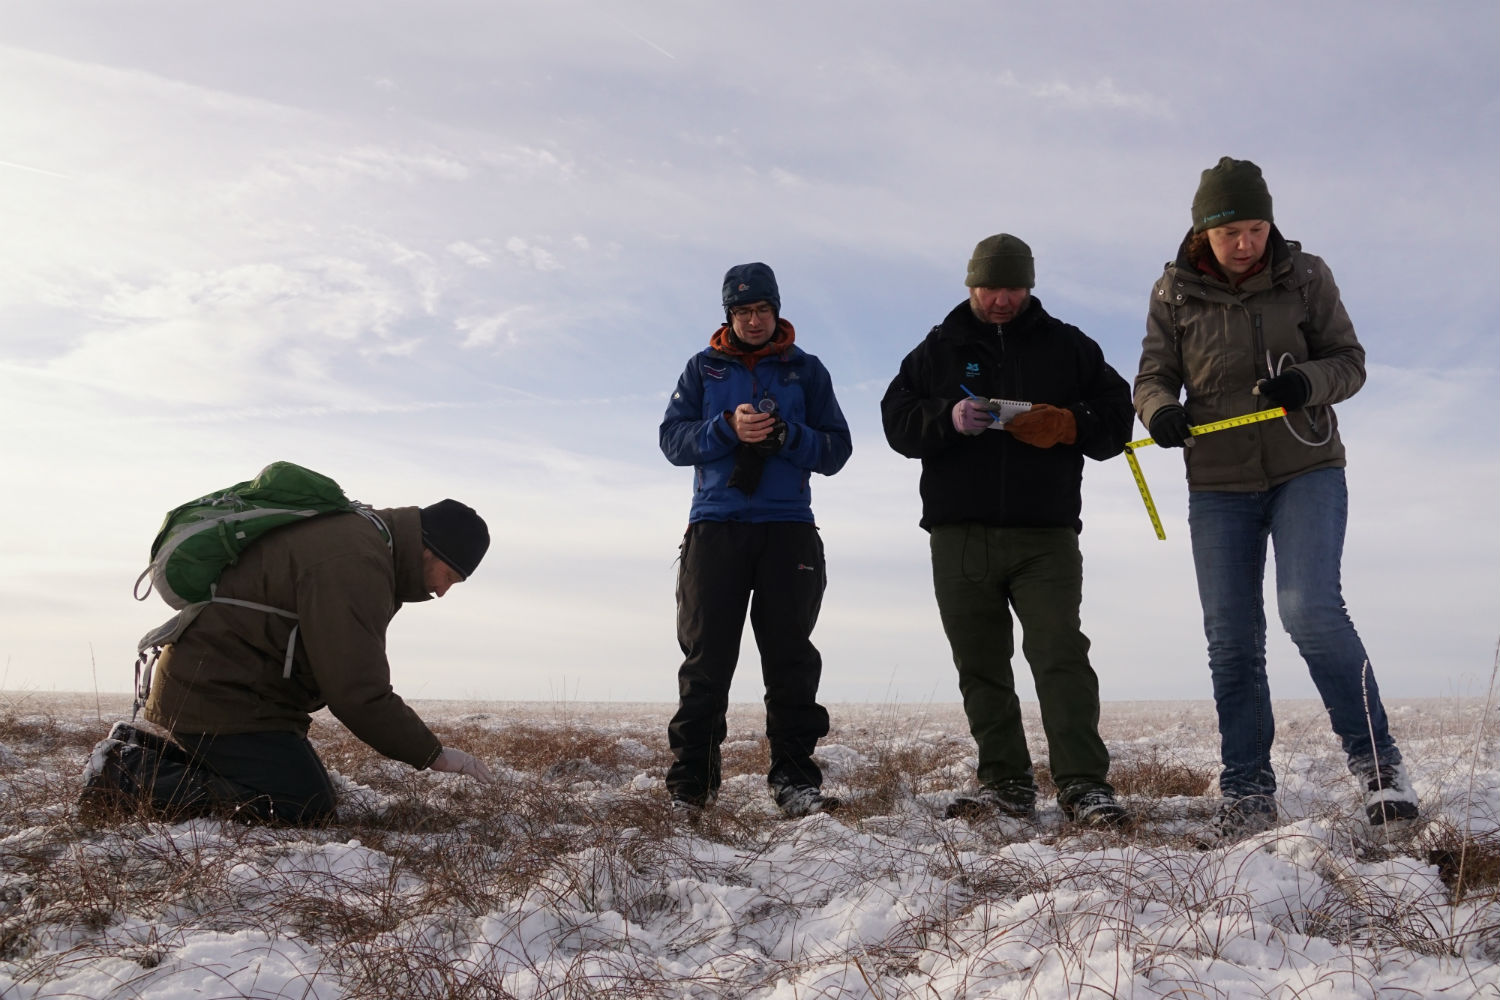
695, 432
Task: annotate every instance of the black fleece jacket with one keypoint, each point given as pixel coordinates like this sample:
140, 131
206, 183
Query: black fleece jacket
992, 478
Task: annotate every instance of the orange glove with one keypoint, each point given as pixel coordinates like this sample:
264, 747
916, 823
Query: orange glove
1044, 426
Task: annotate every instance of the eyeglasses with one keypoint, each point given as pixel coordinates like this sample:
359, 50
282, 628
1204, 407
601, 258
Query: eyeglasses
745, 312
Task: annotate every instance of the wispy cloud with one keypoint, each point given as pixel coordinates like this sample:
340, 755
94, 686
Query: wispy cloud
453, 251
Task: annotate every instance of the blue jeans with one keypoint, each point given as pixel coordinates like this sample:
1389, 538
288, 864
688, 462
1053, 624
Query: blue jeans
1305, 519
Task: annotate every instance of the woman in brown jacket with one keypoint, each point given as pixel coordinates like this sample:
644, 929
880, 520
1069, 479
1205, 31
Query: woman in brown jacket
1242, 321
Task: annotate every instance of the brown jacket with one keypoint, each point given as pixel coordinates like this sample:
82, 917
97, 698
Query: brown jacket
336, 572
1212, 340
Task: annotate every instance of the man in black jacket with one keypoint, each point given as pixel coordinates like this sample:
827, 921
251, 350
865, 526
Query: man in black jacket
1001, 496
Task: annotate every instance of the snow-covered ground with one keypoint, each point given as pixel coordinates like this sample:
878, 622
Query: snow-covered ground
569, 878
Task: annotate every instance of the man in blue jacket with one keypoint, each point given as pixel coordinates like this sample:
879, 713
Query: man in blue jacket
1002, 503
755, 416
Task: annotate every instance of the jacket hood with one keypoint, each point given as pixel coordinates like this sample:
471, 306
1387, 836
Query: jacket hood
405, 526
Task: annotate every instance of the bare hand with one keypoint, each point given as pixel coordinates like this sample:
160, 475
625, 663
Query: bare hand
972, 416
750, 425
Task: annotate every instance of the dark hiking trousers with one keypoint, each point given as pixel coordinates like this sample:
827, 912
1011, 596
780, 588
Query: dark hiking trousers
273, 777
980, 573
723, 564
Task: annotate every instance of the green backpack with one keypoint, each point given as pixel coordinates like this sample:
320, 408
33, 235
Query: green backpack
203, 537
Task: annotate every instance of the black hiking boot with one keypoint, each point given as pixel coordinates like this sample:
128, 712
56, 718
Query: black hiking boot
1390, 801
1238, 818
1096, 807
802, 800
1011, 800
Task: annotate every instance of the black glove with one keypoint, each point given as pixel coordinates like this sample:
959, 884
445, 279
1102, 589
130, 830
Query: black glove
772, 442
750, 459
1169, 428
1289, 389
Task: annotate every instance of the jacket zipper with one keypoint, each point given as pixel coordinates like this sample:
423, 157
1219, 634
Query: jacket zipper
1260, 345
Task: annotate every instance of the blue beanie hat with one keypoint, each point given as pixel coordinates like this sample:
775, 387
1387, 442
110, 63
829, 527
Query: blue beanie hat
746, 283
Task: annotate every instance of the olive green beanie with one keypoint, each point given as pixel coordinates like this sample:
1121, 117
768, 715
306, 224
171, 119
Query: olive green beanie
1001, 261
1230, 191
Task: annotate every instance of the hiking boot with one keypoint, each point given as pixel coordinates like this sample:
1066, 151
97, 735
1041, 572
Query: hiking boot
109, 786
1389, 797
1014, 801
1238, 818
802, 800
686, 805
1096, 807
113, 776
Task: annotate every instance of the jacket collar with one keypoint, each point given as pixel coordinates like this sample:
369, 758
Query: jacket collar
781, 346
1276, 269
405, 526
961, 324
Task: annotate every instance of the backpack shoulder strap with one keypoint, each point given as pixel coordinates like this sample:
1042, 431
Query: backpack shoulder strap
148, 650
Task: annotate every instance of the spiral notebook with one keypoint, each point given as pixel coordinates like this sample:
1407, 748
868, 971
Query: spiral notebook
1004, 409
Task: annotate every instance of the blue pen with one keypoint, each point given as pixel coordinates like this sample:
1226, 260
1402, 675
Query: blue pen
983, 399
974, 395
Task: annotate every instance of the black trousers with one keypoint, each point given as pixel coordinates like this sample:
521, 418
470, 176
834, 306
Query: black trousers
777, 571
271, 777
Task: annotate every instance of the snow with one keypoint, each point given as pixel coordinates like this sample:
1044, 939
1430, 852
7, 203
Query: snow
568, 879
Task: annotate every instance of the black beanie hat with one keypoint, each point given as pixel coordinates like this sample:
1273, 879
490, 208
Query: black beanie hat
747, 283
1230, 191
456, 534
1001, 261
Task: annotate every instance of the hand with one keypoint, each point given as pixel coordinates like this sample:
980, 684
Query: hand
774, 439
750, 425
1289, 389
1044, 426
455, 761
1169, 427
971, 416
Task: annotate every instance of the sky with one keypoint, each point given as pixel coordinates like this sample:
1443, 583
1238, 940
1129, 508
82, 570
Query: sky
460, 249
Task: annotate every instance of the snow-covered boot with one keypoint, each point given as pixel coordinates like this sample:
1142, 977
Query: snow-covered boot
802, 800
1238, 818
1389, 797
1012, 799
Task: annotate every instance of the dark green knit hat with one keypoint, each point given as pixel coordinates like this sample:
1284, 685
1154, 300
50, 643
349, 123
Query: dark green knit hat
1001, 261
1230, 191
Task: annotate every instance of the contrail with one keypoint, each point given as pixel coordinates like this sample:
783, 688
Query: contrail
652, 44
34, 170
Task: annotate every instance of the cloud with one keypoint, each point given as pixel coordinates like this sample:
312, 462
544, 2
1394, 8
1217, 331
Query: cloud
487, 331
448, 251
470, 254
1100, 94
531, 256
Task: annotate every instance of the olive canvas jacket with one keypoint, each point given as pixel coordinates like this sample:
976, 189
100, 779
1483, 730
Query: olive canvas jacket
225, 675
1215, 341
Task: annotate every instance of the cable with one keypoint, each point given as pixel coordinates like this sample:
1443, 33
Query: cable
1312, 421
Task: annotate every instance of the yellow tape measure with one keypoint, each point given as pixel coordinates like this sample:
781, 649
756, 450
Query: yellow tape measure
1199, 431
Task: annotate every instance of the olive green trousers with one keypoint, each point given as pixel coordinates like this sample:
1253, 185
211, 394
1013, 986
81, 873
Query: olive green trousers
980, 574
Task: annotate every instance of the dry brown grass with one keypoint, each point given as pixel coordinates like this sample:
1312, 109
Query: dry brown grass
577, 824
